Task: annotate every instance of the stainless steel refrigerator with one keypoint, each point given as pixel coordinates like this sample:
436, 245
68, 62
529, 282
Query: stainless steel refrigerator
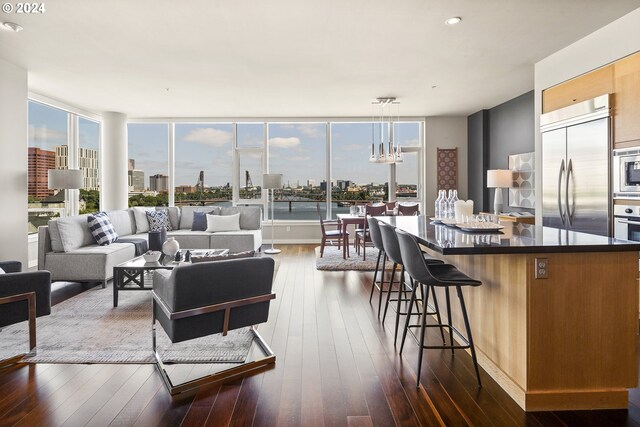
576, 149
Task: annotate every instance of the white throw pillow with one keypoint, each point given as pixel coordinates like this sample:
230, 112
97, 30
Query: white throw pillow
2, 271
140, 215
223, 223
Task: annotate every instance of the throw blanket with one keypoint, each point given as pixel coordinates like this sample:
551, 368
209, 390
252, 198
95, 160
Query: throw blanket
141, 244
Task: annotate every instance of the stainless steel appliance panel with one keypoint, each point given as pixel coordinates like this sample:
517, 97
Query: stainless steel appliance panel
554, 172
626, 173
587, 178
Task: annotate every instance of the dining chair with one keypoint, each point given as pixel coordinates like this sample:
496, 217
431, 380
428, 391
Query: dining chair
408, 209
337, 235
362, 237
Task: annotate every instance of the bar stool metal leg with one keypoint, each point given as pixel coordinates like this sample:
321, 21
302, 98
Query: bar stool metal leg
381, 289
449, 320
423, 323
469, 337
375, 274
386, 304
412, 300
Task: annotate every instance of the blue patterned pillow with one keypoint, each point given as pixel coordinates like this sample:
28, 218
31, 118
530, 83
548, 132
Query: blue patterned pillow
159, 220
101, 228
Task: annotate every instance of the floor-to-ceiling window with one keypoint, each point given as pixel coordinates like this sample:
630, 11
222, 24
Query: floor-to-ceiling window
59, 139
203, 163
250, 138
299, 152
322, 162
89, 163
148, 170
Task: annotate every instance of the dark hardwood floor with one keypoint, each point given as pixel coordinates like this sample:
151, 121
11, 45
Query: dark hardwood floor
336, 365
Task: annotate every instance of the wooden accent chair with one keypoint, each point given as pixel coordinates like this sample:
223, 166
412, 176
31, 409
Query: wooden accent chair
408, 209
363, 237
337, 235
23, 296
196, 300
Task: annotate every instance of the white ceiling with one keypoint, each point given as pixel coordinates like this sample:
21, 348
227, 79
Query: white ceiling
293, 58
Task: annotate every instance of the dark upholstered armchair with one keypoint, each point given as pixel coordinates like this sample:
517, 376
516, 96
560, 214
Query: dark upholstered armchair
23, 296
197, 300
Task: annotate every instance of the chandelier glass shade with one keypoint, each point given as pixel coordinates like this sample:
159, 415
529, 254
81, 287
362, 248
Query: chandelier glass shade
388, 132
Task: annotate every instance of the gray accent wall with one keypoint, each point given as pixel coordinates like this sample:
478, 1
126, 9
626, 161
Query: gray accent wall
493, 135
478, 140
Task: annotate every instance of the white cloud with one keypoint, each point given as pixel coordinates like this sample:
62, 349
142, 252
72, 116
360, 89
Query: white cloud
312, 130
279, 142
210, 136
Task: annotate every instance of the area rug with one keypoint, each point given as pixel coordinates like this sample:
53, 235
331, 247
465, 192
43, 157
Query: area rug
88, 329
332, 260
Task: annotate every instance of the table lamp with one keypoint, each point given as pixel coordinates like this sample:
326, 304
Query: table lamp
271, 181
499, 179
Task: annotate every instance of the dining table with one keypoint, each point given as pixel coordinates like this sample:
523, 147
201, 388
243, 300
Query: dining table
346, 220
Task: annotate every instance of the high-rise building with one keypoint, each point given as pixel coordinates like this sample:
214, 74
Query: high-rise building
159, 183
132, 164
323, 185
87, 163
39, 163
343, 184
136, 180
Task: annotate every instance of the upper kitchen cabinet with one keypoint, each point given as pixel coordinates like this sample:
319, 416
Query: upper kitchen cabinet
626, 116
582, 88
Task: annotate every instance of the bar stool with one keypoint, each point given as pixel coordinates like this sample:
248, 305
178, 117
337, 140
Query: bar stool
376, 238
392, 250
440, 275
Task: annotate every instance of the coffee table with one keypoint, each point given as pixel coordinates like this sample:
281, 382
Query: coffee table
137, 274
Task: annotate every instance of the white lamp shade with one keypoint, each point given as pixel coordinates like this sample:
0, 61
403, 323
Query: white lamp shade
60, 179
499, 178
271, 181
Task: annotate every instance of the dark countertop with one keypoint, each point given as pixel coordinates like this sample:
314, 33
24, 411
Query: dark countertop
515, 238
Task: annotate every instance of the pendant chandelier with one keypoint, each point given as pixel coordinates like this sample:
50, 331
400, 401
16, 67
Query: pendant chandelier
389, 137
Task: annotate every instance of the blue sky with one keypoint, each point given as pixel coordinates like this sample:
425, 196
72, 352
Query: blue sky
48, 128
297, 150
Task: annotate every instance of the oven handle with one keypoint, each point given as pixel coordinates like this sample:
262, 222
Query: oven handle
626, 221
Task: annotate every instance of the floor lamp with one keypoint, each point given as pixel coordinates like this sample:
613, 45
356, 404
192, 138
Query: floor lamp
66, 179
271, 181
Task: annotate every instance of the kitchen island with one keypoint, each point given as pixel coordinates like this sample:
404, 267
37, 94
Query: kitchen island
564, 341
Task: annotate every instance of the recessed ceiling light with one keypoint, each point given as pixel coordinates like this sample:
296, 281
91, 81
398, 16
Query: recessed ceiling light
12, 26
453, 20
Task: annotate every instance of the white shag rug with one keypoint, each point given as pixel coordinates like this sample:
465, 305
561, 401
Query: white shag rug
88, 329
332, 260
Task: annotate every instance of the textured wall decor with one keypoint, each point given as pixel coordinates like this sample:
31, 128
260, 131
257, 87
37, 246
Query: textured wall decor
522, 194
447, 169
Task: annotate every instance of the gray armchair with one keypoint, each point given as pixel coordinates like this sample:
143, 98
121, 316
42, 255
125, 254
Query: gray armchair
23, 296
196, 300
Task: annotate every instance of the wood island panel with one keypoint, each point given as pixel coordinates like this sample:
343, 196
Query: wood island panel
565, 342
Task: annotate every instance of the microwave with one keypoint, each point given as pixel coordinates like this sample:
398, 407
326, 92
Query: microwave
626, 173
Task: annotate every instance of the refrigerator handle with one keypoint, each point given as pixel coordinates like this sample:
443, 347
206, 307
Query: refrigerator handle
560, 174
566, 193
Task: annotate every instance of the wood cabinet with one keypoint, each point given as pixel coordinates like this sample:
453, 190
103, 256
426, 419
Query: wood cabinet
582, 88
626, 114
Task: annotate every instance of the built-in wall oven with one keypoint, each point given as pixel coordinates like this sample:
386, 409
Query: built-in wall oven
626, 173
626, 222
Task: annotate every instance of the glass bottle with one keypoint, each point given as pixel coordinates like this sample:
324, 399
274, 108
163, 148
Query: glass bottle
438, 203
452, 204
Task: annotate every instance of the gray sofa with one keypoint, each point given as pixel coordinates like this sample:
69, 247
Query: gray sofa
67, 249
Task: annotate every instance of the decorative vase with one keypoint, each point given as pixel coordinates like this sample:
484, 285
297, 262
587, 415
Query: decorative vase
171, 247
